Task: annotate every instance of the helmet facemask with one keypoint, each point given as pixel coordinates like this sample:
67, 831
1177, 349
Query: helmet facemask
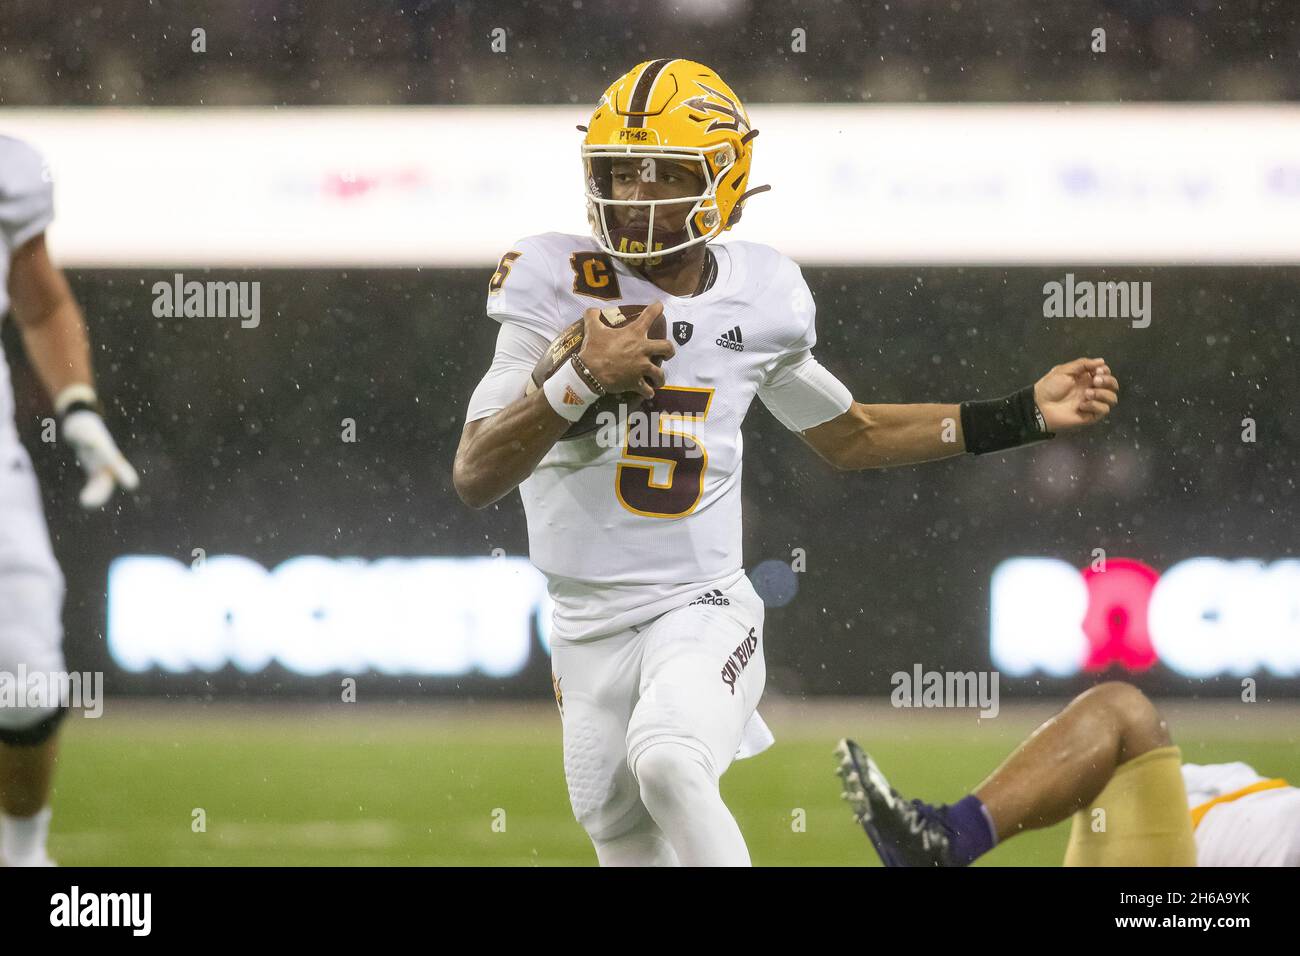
647, 241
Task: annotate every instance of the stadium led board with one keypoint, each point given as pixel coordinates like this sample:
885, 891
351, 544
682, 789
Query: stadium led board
1202, 617
436, 617
1033, 183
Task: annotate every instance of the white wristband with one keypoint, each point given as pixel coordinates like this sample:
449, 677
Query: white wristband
568, 394
73, 393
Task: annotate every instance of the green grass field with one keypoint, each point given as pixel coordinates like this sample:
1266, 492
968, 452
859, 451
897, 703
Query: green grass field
422, 784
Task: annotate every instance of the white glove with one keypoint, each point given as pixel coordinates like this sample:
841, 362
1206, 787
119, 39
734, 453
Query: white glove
104, 464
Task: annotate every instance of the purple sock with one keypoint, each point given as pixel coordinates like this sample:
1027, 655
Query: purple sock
972, 830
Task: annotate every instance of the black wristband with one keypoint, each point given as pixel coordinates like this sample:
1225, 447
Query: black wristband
1001, 423
81, 405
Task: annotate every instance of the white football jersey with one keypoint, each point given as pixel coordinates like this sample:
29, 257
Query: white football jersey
26, 209
628, 528
1242, 818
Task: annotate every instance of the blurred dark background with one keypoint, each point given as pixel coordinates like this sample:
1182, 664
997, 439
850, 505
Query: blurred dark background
236, 431
309, 52
237, 435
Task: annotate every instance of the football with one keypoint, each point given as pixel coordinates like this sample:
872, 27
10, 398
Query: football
569, 342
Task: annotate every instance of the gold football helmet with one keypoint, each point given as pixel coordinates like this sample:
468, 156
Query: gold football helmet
678, 111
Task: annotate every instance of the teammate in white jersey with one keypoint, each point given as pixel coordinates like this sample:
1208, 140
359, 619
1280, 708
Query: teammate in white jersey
31, 585
657, 645
1107, 756
1241, 818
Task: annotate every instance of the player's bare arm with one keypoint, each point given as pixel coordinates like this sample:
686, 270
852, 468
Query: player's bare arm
54, 335
499, 452
53, 331
1070, 396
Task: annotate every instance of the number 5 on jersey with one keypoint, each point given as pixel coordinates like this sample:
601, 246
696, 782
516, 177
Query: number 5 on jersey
503, 269
687, 460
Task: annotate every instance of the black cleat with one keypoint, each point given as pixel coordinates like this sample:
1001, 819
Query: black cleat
904, 833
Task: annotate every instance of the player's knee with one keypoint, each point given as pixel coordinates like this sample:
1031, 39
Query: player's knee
27, 718
672, 775
1140, 725
29, 726
643, 845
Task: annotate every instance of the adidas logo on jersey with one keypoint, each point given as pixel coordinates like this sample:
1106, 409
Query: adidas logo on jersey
571, 397
711, 597
731, 340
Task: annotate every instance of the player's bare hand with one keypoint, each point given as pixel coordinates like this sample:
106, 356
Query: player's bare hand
623, 359
655, 377
1076, 393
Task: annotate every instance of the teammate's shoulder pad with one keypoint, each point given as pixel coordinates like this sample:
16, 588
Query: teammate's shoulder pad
21, 164
779, 281
524, 287
763, 262
26, 192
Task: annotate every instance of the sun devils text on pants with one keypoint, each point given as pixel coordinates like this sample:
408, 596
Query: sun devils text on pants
739, 659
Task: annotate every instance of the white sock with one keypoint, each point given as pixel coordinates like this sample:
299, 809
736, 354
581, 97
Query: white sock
22, 839
681, 793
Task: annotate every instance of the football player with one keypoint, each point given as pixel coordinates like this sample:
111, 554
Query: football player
657, 640
1108, 760
31, 585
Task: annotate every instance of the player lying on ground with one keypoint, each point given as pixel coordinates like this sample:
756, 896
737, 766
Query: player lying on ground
1107, 759
657, 644
31, 585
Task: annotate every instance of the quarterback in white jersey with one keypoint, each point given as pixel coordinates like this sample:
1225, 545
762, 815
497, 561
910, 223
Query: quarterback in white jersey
657, 642
747, 335
31, 585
